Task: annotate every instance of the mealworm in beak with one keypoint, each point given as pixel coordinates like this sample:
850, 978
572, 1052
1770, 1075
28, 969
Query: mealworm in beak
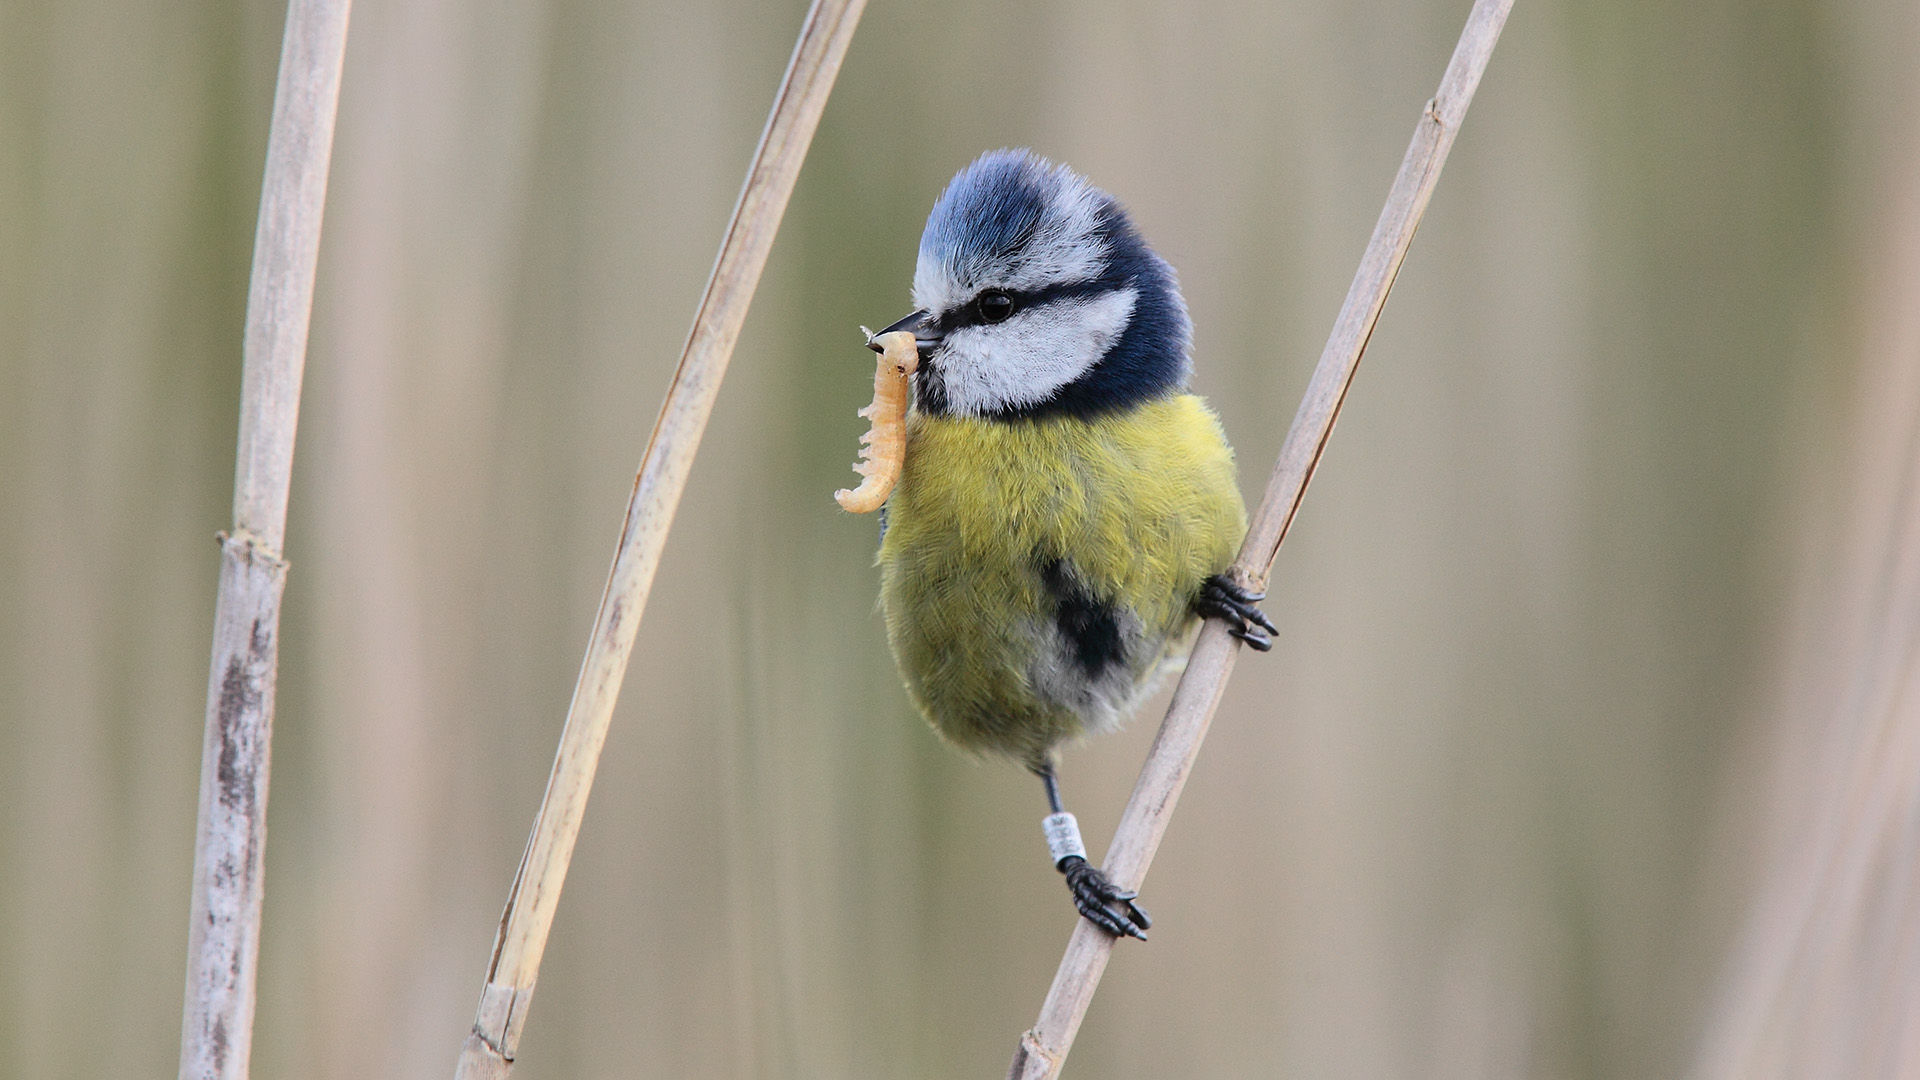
884, 446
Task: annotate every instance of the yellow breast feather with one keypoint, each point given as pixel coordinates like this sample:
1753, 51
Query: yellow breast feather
1132, 510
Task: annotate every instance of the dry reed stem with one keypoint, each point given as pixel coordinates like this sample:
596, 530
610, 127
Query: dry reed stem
223, 943
515, 965
1043, 1049
1825, 978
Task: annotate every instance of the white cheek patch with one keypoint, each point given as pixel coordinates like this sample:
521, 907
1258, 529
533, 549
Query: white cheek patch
1024, 360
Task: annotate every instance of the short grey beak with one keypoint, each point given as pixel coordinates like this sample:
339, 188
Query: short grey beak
925, 339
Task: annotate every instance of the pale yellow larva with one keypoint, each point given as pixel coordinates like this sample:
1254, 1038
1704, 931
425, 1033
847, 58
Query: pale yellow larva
884, 446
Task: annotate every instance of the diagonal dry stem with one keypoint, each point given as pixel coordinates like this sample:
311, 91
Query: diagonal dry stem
489, 1050
1043, 1049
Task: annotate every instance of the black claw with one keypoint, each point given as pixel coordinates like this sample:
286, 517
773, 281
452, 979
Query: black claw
1221, 598
1094, 896
1140, 916
1255, 640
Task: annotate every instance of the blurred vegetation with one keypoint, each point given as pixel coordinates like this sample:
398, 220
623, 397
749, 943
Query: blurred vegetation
1483, 813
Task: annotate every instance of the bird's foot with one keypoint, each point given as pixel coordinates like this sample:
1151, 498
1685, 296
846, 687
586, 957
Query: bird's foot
1104, 904
1221, 598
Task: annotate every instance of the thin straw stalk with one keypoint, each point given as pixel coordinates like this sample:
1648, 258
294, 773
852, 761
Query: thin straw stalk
223, 943
1043, 1049
515, 964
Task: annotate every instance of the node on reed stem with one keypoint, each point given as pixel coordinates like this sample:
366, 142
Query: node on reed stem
223, 939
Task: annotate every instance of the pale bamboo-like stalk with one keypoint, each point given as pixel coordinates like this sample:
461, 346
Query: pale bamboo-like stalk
1043, 1049
223, 938
1825, 978
522, 939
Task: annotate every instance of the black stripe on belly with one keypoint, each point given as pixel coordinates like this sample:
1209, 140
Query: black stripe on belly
1090, 625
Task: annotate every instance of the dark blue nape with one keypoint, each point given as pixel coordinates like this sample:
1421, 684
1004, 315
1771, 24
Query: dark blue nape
1150, 359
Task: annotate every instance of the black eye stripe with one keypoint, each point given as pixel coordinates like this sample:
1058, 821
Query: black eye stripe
968, 314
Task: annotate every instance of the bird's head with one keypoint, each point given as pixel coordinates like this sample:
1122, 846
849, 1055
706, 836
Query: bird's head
1038, 296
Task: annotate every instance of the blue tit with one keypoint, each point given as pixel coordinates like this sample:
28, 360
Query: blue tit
1067, 510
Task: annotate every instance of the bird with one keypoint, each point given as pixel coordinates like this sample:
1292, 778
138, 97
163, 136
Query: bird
1068, 510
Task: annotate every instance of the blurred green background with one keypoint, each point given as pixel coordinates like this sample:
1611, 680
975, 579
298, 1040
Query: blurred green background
1493, 807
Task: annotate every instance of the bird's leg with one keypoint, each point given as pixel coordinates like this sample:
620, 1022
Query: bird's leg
1102, 903
1220, 598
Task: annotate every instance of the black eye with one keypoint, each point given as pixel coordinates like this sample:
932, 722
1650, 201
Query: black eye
995, 306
